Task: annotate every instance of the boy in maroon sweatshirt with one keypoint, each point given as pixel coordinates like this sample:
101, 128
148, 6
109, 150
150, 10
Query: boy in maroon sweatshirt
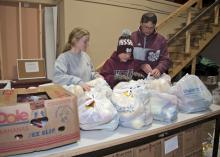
150, 48
121, 65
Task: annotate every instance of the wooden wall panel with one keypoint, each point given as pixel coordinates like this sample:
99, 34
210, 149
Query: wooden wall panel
9, 40
30, 33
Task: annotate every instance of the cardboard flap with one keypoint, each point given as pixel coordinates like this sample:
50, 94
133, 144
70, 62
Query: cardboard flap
8, 97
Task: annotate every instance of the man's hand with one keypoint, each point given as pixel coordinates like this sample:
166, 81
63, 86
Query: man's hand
155, 73
146, 68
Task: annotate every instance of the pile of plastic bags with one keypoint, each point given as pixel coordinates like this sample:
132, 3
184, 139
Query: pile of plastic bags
135, 104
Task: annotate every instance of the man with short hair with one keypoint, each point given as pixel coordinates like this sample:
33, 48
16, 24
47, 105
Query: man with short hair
150, 48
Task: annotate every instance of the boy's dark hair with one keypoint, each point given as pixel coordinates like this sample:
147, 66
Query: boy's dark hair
149, 17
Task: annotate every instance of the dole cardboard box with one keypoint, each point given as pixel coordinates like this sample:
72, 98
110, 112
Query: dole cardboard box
37, 119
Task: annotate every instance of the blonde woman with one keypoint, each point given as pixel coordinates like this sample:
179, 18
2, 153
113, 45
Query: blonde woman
74, 65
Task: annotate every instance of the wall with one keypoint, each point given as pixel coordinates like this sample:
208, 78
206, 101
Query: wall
105, 19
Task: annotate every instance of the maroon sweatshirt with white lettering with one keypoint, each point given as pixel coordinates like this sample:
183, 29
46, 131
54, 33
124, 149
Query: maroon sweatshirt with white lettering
155, 44
115, 71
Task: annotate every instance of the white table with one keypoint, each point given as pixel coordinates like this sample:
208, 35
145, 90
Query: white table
97, 143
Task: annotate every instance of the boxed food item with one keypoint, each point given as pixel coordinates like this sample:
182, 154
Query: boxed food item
152, 149
37, 119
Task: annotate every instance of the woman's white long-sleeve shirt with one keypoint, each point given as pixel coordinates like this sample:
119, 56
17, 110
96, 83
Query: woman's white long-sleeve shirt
73, 68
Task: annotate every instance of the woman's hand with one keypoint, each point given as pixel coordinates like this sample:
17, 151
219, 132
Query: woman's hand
86, 87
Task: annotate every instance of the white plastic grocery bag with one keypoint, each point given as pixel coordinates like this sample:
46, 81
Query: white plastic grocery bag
164, 106
130, 100
96, 111
194, 95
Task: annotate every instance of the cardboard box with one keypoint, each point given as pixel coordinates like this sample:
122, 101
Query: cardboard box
195, 154
198, 135
188, 141
208, 129
172, 146
192, 140
152, 149
37, 119
124, 153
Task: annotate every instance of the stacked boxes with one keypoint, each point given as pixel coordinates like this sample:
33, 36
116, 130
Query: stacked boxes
184, 144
